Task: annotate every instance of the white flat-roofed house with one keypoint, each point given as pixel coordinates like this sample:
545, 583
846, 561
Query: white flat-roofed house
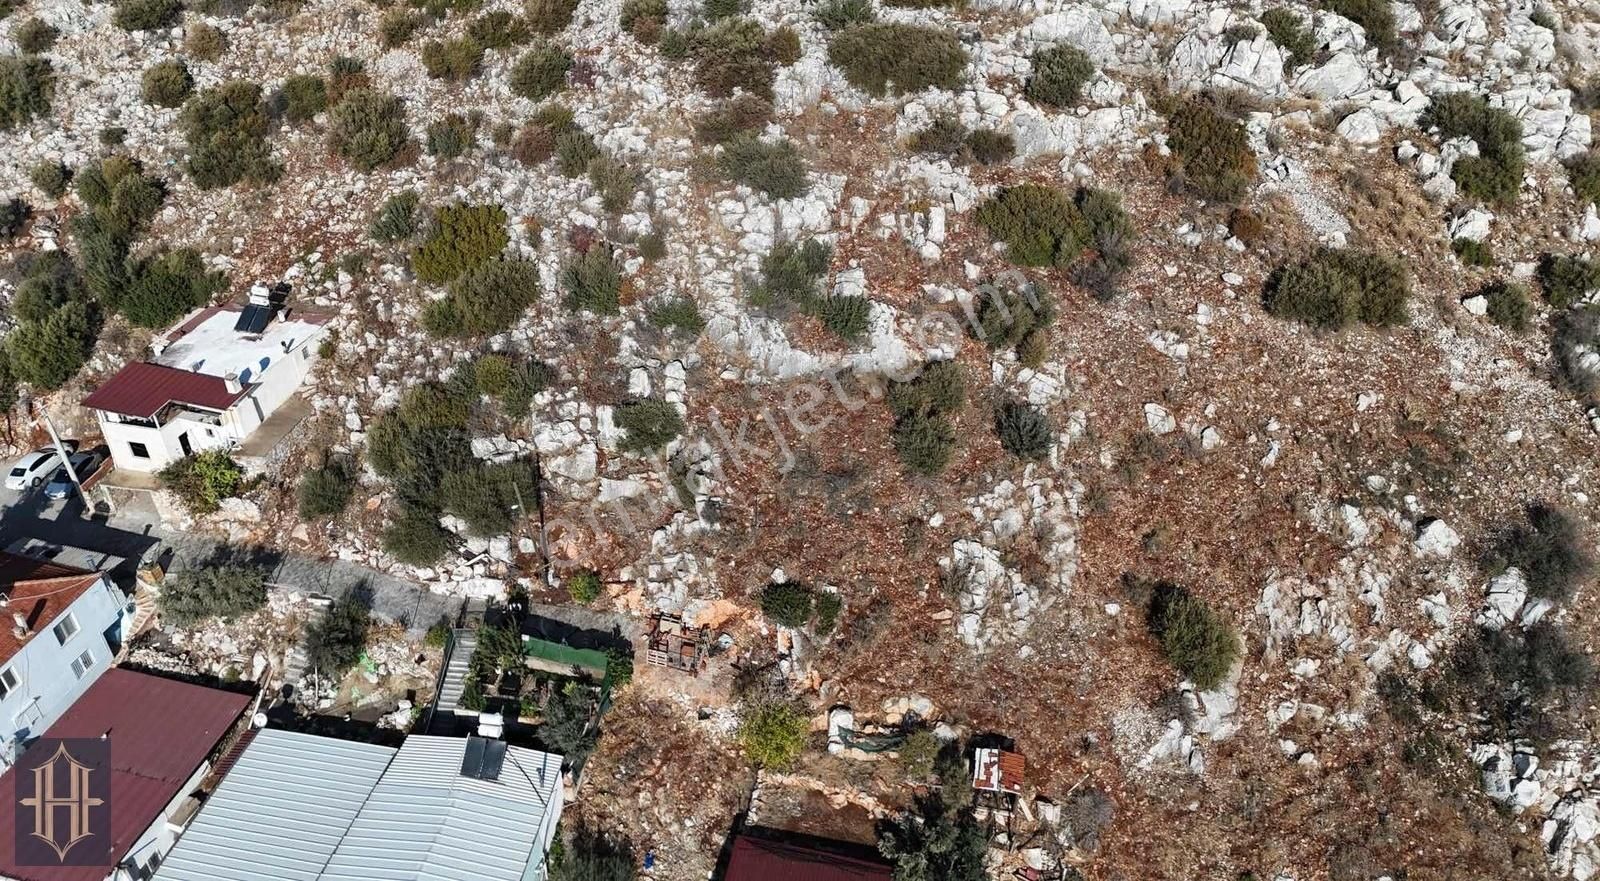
212, 381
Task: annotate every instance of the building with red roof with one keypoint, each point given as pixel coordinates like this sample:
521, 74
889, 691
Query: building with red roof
60, 628
776, 856
210, 383
163, 736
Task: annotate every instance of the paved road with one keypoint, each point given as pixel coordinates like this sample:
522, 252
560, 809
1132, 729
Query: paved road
136, 535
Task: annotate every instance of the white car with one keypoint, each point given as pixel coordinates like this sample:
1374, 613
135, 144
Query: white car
30, 470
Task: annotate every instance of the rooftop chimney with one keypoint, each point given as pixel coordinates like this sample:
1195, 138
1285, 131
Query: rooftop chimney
231, 382
21, 629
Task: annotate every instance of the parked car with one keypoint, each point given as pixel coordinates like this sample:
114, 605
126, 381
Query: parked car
31, 469
60, 485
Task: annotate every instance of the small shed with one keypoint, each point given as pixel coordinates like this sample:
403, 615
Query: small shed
995, 770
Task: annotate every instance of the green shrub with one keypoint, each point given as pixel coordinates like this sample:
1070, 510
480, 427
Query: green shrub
783, 44
1059, 75
593, 281
1297, 41
49, 281
575, 151
917, 753
204, 42
190, 596
718, 9
1495, 174
167, 84
1509, 305
1334, 288
846, 316
487, 299
773, 735
944, 136
584, 587
940, 389
26, 84
398, 25
367, 128
34, 36
731, 54
650, 424
304, 96
453, 60
463, 236
1023, 430
122, 198
486, 496
146, 15
788, 603
498, 30
14, 214
1110, 232
113, 136
1583, 172
47, 353
549, 16
534, 144
615, 182
346, 75
733, 117
989, 147
924, 442
1472, 252
679, 313
644, 19
1567, 279
227, 127
326, 491
1198, 642
50, 178
1214, 152
880, 58
335, 641
415, 537
1040, 225
396, 219
167, 286
203, 480
675, 45
512, 383
836, 15
652, 247
1548, 548
829, 605
1375, 17
452, 136
774, 168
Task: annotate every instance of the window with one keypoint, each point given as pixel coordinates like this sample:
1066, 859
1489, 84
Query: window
139, 451
82, 663
66, 628
8, 682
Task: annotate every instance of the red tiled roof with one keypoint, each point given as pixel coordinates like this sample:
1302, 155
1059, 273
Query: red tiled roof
142, 389
41, 601
160, 731
761, 859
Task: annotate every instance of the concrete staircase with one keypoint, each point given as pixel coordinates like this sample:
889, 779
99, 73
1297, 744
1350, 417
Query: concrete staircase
455, 671
144, 616
297, 663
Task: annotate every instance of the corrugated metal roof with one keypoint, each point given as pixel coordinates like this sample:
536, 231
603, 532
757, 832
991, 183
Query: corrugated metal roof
426, 822
298, 807
160, 731
142, 389
765, 859
281, 811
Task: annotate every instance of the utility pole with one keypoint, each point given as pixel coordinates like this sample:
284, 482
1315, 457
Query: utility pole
61, 453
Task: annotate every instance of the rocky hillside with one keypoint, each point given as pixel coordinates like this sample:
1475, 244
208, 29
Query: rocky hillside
1200, 395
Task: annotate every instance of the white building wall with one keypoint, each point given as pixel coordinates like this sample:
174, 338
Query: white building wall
278, 383
46, 685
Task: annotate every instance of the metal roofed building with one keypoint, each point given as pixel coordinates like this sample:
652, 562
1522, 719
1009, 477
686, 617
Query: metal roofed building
162, 735
298, 807
212, 381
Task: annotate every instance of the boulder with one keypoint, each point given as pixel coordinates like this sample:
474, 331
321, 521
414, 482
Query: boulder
1341, 76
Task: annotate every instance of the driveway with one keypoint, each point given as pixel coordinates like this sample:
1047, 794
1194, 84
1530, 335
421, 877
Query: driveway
135, 533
